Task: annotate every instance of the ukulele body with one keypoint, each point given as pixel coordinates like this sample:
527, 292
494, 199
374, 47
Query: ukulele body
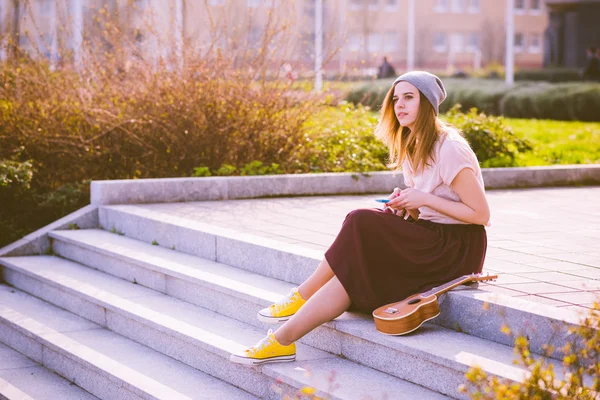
407, 315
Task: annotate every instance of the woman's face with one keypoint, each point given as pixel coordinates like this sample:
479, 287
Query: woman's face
406, 103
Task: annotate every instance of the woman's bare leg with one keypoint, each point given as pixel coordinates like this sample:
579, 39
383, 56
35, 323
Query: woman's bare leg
327, 303
320, 277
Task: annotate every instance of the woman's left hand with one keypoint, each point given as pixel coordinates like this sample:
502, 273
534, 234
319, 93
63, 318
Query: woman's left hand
410, 199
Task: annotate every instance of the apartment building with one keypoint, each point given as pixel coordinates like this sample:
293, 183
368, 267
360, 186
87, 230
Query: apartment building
357, 33
459, 33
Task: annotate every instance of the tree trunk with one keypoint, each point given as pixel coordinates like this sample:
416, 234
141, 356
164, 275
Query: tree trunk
16, 30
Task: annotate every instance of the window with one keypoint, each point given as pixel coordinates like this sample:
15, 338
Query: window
45, 45
519, 42
457, 43
354, 41
458, 6
373, 42
439, 42
309, 9
441, 6
472, 42
24, 41
356, 4
373, 4
140, 5
391, 4
519, 6
535, 43
46, 7
474, 6
535, 7
391, 41
307, 38
255, 37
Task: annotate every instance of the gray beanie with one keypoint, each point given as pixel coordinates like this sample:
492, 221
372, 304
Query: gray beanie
430, 85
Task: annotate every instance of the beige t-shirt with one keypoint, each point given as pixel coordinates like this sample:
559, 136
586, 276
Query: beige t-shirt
452, 154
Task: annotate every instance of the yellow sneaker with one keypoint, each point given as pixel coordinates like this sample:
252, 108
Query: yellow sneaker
283, 309
268, 350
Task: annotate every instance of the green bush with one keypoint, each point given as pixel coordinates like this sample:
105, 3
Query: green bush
370, 94
484, 94
341, 139
25, 210
15, 175
493, 142
124, 113
524, 99
565, 101
555, 74
161, 125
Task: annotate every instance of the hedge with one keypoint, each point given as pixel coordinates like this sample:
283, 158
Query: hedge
525, 99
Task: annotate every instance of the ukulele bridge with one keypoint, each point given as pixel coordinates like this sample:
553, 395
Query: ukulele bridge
391, 310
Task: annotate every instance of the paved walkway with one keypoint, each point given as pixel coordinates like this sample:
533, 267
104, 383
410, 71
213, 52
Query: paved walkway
543, 243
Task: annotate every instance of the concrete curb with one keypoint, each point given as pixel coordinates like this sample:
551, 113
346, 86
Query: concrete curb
239, 187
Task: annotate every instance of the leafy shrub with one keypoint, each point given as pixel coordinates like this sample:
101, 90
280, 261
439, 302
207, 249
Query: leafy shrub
581, 359
126, 113
161, 125
257, 168
24, 211
226, 170
549, 74
485, 95
493, 142
340, 139
370, 94
252, 168
574, 101
14, 174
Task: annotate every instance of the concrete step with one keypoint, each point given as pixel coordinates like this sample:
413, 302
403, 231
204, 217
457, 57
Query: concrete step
476, 312
23, 379
267, 257
98, 360
240, 294
193, 335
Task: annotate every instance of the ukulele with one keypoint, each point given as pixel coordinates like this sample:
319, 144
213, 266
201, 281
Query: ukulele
409, 314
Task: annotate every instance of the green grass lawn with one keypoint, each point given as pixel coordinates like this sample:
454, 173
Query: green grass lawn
558, 142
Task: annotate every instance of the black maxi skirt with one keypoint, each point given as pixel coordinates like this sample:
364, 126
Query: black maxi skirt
382, 258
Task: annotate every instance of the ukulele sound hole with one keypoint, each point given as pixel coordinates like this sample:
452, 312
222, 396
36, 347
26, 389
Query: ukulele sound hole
414, 301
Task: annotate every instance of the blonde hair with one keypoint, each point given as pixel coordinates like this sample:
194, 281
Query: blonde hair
417, 146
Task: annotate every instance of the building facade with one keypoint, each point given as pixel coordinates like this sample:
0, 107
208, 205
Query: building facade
455, 34
574, 25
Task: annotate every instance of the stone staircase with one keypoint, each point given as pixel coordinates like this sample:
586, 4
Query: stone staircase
149, 306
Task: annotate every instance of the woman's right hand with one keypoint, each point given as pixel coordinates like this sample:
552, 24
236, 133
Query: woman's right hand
396, 211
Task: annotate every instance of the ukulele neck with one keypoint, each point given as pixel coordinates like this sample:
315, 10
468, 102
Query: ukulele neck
437, 291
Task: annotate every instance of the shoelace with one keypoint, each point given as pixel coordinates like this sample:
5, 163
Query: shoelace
284, 302
266, 341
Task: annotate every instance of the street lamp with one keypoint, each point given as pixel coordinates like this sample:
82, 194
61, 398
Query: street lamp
318, 45
510, 42
410, 58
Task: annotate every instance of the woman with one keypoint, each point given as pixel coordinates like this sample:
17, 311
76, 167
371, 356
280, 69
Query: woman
428, 234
